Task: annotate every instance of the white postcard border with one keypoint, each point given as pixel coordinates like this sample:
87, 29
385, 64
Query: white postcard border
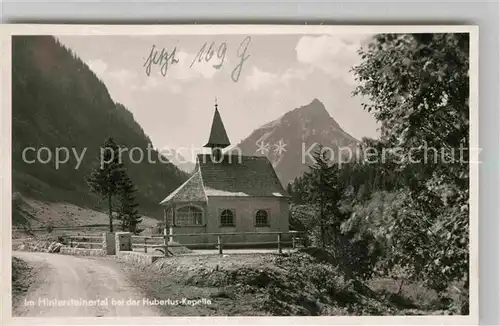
6, 31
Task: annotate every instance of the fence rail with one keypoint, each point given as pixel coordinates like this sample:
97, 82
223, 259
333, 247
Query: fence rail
74, 240
62, 228
296, 235
97, 240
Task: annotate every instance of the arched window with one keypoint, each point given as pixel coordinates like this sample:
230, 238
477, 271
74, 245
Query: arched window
188, 215
261, 218
227, 218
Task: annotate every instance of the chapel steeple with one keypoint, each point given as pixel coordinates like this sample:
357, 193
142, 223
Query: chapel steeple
218, 137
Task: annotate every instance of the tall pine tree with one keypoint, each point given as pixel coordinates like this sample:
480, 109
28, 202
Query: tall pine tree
106, 178
127, 206
324, 192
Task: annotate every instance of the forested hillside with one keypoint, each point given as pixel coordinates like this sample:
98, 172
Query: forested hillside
57, 101
401, 209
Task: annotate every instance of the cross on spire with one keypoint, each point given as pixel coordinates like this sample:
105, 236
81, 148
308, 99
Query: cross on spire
218, 136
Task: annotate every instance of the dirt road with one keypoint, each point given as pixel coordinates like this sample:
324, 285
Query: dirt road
80, 287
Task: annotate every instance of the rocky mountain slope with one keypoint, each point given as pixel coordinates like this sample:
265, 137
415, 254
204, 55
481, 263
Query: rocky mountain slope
290, 141
183, 163
58, 102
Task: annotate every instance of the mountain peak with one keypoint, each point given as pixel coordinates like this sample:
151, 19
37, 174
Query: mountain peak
300, 128
315, 111
315, 101
314, 104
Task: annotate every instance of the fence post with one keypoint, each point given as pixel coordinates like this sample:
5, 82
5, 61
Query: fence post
145, 245
123, 242
279, 243
171, 233
165, 234
219, 244
110, 243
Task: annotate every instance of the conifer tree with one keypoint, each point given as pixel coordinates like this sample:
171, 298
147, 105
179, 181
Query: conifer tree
127, 207
324, 192
106, 178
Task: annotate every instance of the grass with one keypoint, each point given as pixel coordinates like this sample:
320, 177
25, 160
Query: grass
295, 284
413, 295
169, 282
22, 277
41, 214
292, 284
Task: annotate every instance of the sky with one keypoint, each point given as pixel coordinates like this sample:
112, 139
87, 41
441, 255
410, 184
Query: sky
255, 79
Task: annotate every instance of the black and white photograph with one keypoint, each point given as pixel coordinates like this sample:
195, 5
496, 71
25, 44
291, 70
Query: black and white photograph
243, 171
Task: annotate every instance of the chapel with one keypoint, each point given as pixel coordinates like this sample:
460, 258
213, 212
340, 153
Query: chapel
227, 193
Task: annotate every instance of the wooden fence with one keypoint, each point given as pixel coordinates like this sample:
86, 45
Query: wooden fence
90, 241
72, 228
60, 230
146, 242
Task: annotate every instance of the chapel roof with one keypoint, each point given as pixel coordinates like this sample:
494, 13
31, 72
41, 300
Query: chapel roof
218, 135
189, 191
238, 175
231, 176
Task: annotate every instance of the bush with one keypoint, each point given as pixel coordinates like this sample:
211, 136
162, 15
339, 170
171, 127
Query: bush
158, 230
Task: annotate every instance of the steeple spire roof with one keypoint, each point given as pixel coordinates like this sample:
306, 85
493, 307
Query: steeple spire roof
218, 136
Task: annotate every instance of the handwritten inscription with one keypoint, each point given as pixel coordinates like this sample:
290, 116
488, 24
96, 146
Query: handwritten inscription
161, 59
206, 54
210, 53
242, 54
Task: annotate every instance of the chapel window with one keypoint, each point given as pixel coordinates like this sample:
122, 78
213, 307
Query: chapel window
261, 218
227, 218
188, 215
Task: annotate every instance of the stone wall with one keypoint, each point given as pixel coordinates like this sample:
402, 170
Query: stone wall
137, 257
111, 245
123, 247
108, 243
82, 251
